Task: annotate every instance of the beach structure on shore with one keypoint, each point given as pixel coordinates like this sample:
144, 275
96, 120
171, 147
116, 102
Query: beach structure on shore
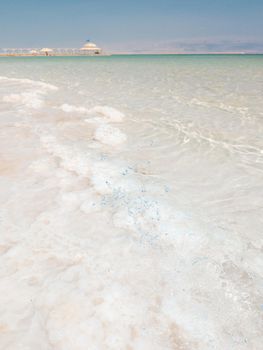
88, 49
46, 51
91, 48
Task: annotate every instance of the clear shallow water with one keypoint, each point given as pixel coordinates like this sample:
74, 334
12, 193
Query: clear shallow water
131, 202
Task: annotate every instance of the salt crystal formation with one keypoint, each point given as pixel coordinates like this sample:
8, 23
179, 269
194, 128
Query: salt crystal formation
131, 204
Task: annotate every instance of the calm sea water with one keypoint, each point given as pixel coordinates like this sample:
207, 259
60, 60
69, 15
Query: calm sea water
131, 203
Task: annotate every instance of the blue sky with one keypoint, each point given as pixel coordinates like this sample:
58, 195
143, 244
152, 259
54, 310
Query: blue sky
152, 25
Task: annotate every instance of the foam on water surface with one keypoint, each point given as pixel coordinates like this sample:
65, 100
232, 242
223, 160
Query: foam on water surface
140, 235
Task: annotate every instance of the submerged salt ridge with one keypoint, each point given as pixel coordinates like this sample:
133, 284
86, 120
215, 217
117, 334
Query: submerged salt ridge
124, 230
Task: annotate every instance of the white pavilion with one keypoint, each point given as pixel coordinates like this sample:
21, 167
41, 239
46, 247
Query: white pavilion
90, 49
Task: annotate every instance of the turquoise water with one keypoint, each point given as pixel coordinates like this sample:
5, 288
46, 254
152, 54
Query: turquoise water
131, 202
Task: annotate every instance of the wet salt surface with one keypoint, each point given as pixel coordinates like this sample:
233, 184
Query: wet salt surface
131, 203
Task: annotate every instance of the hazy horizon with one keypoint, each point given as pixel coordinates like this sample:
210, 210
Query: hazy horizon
138, 26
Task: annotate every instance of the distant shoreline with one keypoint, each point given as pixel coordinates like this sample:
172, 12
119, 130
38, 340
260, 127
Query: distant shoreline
143, 54
187, 53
